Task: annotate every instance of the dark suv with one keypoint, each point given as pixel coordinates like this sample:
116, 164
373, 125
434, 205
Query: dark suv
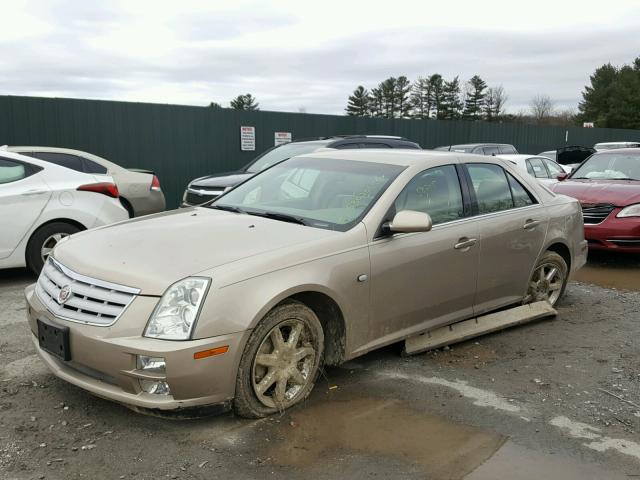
207, 188
481, 148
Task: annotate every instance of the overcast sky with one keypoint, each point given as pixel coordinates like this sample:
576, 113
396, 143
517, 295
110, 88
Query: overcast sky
311, 55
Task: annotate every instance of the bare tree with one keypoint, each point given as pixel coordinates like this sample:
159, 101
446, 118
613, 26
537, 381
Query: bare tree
494, 103
541, 107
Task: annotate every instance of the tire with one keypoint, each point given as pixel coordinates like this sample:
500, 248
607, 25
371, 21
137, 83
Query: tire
544, 284
283, 363
127, 206
50, 234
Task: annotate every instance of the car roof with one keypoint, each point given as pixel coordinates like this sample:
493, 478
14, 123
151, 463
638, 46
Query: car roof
395, 156
617, 143
520, 156
102, 161
617, 151
479, 144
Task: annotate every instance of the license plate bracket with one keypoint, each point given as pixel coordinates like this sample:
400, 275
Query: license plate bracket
54, 339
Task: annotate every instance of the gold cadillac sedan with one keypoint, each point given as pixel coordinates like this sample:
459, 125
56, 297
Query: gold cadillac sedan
313, 262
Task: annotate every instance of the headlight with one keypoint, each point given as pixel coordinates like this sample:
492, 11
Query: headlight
178, 309
630, 211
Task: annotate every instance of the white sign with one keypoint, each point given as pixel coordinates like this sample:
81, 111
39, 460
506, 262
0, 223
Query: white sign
247, 139
281, 137
587, 124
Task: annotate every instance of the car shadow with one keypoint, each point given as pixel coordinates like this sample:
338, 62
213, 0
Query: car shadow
16, 276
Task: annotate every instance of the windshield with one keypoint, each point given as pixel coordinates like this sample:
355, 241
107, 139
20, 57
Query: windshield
283, 152
318, 192
609, 166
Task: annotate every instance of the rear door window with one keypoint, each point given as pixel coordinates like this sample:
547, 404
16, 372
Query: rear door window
11, 171
539, 170
507, 149
553, 167
491, 150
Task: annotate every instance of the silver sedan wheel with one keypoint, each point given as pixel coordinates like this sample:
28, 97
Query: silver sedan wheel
545, 284
49, 243
284, 363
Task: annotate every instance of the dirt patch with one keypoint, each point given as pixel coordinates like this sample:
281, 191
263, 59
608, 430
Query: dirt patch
465, 355
380, 427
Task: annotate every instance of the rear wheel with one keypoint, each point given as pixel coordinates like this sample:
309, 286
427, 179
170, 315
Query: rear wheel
43, 240
548, 280
280, 362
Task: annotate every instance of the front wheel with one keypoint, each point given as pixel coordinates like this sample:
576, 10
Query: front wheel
43, 240
280, 362
548, 280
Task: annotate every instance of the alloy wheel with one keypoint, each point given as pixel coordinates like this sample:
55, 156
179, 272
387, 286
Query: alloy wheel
50, 243
283, 365
545, 284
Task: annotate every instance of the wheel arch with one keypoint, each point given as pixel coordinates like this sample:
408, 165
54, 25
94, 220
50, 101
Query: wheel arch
561, 249
328, 311
127, 206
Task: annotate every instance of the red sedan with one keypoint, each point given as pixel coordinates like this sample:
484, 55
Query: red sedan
607, 185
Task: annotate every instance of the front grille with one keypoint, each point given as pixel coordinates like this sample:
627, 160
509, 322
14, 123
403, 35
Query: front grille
90, 301
596, 213
201, 195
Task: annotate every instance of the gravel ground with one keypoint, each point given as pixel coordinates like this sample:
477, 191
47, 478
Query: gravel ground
558, 398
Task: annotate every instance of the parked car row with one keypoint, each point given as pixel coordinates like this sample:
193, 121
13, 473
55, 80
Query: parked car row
47, 194
317, 252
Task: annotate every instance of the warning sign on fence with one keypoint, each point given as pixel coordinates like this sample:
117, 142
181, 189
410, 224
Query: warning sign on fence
247, 139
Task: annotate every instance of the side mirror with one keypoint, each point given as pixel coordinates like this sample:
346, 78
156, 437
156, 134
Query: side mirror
409, 221
562, 176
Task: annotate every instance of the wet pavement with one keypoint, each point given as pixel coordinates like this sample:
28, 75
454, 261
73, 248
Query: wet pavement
558, 398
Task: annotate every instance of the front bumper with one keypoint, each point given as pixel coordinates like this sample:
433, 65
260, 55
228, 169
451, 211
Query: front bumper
103, 360
614, 234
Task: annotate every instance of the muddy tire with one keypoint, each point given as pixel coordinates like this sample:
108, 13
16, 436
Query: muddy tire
43, 240
280, 362
548, 280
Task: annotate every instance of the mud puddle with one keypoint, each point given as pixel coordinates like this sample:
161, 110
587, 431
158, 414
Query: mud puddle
387, 428
621, 271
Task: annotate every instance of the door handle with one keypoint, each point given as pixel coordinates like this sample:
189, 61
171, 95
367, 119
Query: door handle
33, 192
531, 224
465, 243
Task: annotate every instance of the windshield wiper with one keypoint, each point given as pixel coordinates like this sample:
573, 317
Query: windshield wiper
226, 208
623, 178
283, 217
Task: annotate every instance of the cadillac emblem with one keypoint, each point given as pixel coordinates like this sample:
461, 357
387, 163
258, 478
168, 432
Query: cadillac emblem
64, 294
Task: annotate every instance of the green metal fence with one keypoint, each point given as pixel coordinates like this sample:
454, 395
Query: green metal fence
181, 142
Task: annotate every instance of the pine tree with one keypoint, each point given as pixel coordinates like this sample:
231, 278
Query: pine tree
389, 97
359, 103
474, 98
244, 102
451, 102
436, 85
421, 100
377, 103
403, 87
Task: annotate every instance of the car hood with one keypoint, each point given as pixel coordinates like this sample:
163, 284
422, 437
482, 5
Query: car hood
615, 192
153, 252
222, 180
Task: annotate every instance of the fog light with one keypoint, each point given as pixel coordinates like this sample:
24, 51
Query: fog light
151, 364
155, 387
